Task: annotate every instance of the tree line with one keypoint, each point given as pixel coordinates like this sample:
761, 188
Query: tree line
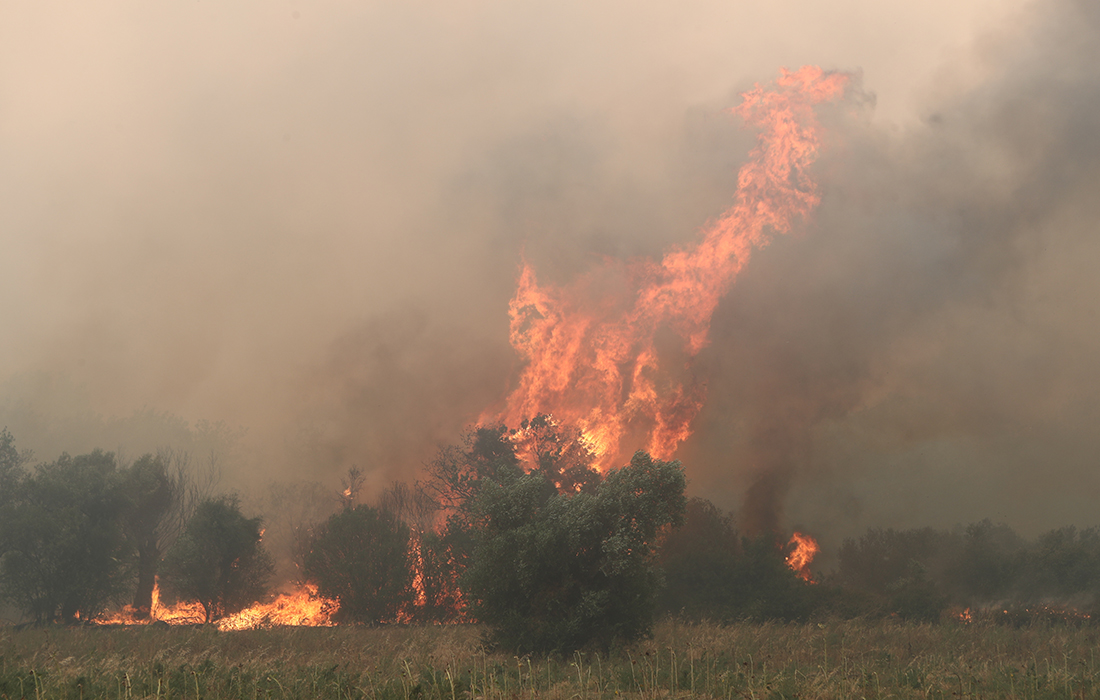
512, 528
84, 534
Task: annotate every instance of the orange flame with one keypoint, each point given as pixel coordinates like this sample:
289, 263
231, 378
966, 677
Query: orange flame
805, 549
302, 608
591, 356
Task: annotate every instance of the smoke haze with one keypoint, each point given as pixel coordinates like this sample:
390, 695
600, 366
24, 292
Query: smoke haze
304, 220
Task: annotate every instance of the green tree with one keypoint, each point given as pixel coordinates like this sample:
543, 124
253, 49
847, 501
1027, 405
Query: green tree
360, 556
219, 560
64, 551
456, 477
150, 494
558, 571
11, 466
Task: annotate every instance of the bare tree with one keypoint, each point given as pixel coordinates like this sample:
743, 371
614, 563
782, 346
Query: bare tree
352, 484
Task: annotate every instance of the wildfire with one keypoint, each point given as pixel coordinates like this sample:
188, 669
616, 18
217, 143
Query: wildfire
592, 360
303, 608
805, 549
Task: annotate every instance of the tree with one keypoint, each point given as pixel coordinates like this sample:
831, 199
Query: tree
987, 568
556, 452
456, 478
700, 562
557, 571
64, 551
360, 556
150, 493
219, 560
11, 466
541, 446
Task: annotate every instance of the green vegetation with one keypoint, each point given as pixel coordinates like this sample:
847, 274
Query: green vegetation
361, 557
63, 548
854, 659
558, 571
83, 534
218, 560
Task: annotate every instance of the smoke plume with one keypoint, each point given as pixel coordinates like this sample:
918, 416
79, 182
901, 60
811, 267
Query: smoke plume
304, 224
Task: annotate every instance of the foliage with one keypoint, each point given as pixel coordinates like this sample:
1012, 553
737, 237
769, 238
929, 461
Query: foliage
459, 474
11, 463
557, 453
150, 493
916, 573
360, 556
219, 560
64, 551
913, 597
1062, 563
557, 571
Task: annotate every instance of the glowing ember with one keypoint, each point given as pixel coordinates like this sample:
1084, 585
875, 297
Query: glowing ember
805, 548
592, 360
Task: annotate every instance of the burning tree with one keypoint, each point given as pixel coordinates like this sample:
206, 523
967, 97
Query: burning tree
592, 356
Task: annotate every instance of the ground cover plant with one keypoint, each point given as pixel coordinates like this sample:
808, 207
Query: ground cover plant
850, 659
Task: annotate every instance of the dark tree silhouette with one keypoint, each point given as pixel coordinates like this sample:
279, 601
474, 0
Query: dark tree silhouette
360, 556
219, 560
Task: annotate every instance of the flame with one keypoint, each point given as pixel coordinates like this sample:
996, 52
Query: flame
591, 356
805, 548
302, 608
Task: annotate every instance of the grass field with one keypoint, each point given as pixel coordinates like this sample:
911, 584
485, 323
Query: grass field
855, 659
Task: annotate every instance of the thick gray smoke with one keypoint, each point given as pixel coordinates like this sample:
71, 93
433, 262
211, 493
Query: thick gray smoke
925, 355
306, 222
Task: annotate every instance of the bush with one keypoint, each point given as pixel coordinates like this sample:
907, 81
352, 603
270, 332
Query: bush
360, 556
219, 561
554, 571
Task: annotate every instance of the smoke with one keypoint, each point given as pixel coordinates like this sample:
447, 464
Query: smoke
924, 354
305, 222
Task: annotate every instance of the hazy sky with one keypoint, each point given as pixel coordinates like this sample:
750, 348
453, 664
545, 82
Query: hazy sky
305, 219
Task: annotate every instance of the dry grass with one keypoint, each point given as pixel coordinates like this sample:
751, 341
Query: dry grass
856, 659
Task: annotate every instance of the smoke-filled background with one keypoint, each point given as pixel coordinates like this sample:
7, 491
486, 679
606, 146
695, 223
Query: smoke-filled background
288, 233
